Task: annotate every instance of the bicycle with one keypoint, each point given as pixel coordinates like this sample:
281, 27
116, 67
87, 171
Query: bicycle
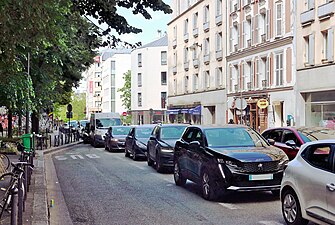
15, 192
4, 162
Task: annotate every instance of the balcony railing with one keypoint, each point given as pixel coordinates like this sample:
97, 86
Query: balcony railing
219, 55
195, 32
326, 10
186, 37
186, 65
307, 17
206, 59
206, 26
218, 20
264, 83
195, 63
174, 43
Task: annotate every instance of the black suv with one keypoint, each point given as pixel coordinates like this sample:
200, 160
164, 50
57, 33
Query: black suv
228, 158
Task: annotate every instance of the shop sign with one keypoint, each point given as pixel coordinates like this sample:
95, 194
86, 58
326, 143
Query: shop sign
262, 103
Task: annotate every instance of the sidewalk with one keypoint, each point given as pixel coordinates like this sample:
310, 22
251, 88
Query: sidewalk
36, 210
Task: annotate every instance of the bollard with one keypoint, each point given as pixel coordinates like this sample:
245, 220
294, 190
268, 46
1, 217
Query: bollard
14, 206
20, 202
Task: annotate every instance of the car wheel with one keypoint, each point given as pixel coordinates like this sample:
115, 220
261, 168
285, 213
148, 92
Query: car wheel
291, 209
126, 153
179, 179
208, 186
159, 167
95, 145
134, 156
149, 160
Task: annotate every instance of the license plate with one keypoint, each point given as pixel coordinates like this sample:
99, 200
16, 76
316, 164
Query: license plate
261, 177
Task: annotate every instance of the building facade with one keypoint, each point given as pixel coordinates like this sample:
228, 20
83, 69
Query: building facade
261, 63
149, 82
197, 62
315, 64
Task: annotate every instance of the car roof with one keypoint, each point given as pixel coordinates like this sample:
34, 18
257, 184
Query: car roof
219, 126
173, 125
145, 126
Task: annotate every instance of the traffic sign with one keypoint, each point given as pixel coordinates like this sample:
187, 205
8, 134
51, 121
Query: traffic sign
124, 114
69, 114
69, 107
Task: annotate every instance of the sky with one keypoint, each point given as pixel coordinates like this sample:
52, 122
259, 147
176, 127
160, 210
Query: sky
149, 28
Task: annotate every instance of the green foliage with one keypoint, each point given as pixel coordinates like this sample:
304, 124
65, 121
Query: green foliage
126, 90
78, 108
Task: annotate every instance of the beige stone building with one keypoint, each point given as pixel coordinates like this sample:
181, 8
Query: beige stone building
196, 62
315, 63
261, 62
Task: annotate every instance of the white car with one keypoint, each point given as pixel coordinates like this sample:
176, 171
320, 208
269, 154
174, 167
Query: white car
308, 187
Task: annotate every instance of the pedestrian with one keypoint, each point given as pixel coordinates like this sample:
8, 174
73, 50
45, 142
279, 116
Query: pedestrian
1, 129
231, 121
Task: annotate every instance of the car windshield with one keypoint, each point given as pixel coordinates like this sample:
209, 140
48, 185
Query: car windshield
172, 132
234, 137
310, 134
120, 130
83, 123
108, 122
73, 124
143, 132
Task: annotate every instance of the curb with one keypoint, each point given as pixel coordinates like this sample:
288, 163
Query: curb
40, 202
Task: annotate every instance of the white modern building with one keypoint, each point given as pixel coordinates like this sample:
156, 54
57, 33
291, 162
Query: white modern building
197, 62
149, 82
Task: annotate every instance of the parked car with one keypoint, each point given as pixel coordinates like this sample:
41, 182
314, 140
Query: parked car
161, 144
228, 158
299, 136
308, 186
137, 139
82, 125
85, 135
118, 139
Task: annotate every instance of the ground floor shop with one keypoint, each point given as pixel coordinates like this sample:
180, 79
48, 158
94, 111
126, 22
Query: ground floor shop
148, 116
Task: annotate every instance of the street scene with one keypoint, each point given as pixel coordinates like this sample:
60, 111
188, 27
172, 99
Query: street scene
167, 112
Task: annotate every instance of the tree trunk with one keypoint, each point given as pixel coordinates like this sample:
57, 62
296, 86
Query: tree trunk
34, 122
20, 124
27, 121
10, 124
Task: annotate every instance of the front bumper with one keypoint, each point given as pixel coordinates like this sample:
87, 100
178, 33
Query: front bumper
117, 145
166, 159
140, 151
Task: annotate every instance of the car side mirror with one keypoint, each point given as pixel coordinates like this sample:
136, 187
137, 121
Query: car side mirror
291, 143
271, 141
195, 145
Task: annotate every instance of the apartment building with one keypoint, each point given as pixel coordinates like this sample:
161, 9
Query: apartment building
261, 62
197, 62
315, 64
149, 82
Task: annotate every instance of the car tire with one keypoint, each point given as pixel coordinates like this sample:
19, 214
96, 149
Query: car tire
149, 160
95, 145
159, 167
291, 209
275, 193
179, 179
208, 186
134, 156
126, 153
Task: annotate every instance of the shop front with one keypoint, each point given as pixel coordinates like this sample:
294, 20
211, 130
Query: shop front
190, 115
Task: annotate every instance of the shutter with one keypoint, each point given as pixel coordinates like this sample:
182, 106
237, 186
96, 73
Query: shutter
204, 16
311, 50
252, 74
330, 45
253, 28
244, 34
239, 35
231, 41
311, 4
256, 29
231, 4
238, 4
267, 24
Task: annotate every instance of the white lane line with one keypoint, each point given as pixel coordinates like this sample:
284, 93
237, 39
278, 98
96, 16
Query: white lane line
270, 223
230, 206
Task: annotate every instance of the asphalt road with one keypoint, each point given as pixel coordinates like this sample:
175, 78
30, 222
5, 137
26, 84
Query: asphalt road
105, 188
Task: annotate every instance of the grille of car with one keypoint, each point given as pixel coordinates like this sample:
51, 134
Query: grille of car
260, 167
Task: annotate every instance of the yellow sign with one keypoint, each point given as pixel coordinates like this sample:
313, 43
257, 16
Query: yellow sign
262, 103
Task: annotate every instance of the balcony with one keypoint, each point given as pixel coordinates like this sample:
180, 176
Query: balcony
206, 59
174, 43
195, 63
186, 65
218, 20
186, 37
326, 10
195, 32
218, 55
174, 69
263, 38
206, 26
264, 83
307, 17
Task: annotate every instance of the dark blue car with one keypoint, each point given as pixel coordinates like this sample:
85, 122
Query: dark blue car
228, 158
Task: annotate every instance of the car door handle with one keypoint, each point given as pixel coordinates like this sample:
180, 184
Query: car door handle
331, 187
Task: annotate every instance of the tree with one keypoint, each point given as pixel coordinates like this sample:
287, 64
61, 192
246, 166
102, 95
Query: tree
78, 106
126, 90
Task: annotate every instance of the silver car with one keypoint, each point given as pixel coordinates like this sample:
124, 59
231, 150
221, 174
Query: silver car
308, 186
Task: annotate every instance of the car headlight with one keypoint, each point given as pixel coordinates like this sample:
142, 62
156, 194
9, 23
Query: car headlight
230, 164
166, 149
283, 162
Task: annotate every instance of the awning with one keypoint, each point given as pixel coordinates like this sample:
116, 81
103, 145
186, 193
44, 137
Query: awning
184, 110
196, 110
172, 111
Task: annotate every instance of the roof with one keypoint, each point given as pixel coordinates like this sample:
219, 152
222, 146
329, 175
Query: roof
163, 41
108, 53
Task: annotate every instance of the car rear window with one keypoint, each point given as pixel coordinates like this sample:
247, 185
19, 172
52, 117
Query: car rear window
172, 132
120, 130
143, 132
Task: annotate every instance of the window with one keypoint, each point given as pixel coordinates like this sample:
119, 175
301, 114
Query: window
218, 77
328, 45
175, 86
163, 58
319, 156
186, 84
276, 135
195, 82
163, 100
175, 59
218, 43
194, 54
279, 19
290, 136
206, 14
309, 49
139, 80
186, 26
279, 69
97, 84
139, 99
97, 74
206, 48
163, 78
230, 79
310, 4
257, 73
175, 32
112, 67
139, 59
325, 44
246, 33
97, 93
195, 20
207, 79
185, 55
218, 10
97, 103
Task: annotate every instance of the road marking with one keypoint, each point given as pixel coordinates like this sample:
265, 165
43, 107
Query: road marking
137, 166
76, 156
270, 223
60, 157
92, 156
230, 206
